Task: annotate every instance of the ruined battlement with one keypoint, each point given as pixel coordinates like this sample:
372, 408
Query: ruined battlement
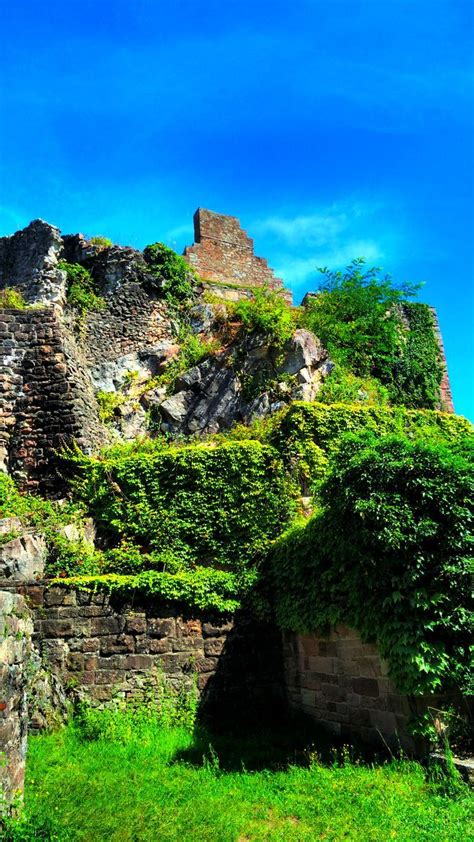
223, 252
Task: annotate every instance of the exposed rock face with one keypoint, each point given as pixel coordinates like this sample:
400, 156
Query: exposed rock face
224, 389
23, 557
15, 652
29, 262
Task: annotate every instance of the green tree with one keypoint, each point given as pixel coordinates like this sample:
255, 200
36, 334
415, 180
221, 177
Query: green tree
355, 315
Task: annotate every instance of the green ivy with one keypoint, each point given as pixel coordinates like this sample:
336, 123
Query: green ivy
202, 588
213, 504
389, 556
418, 372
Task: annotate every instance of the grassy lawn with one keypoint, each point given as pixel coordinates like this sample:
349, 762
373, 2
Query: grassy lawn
127, 780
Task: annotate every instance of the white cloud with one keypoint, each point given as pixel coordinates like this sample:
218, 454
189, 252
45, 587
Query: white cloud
296, 270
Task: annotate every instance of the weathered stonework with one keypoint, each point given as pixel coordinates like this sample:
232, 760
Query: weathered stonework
343, 683
29, 262
15, 652
223, 252
102, 647
46, 395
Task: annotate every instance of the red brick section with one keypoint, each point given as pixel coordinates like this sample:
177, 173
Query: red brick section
447, 404
222, 251
343, 684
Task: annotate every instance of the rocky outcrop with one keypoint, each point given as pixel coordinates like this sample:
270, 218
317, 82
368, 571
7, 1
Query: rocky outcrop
22, 551
248, 381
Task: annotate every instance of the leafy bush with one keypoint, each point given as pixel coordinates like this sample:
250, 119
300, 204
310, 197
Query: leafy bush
174, 276
324, 425
81, 291
101, 242
388, 556
371, 330
206, 503
12, 298
267, 312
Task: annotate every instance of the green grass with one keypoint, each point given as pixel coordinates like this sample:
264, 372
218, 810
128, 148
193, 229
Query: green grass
136, 780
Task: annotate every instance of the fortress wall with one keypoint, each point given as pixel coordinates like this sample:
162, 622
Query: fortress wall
222, 251
104, 647
46, 397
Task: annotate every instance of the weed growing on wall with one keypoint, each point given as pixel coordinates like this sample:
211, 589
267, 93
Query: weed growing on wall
12, 298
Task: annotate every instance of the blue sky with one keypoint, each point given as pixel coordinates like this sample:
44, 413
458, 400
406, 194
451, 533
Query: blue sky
332, 128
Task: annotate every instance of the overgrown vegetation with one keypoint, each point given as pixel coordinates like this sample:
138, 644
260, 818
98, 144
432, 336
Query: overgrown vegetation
372, 331
268, 313
205, 502
81, 293
124, 775
101, 242
388, 555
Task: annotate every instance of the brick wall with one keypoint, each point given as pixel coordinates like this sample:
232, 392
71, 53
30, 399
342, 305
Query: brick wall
130, 321
222, 251
104, 647
343, 683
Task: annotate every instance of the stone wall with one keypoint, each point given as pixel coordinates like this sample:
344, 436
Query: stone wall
15, 651
46, 396
29, 263
343, 683
103, 647
131, 321
222, 251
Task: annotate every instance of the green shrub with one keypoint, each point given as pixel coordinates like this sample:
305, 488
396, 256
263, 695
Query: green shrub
12, 298
324, 425
388, 555
267, 312
81, 291
175, 277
